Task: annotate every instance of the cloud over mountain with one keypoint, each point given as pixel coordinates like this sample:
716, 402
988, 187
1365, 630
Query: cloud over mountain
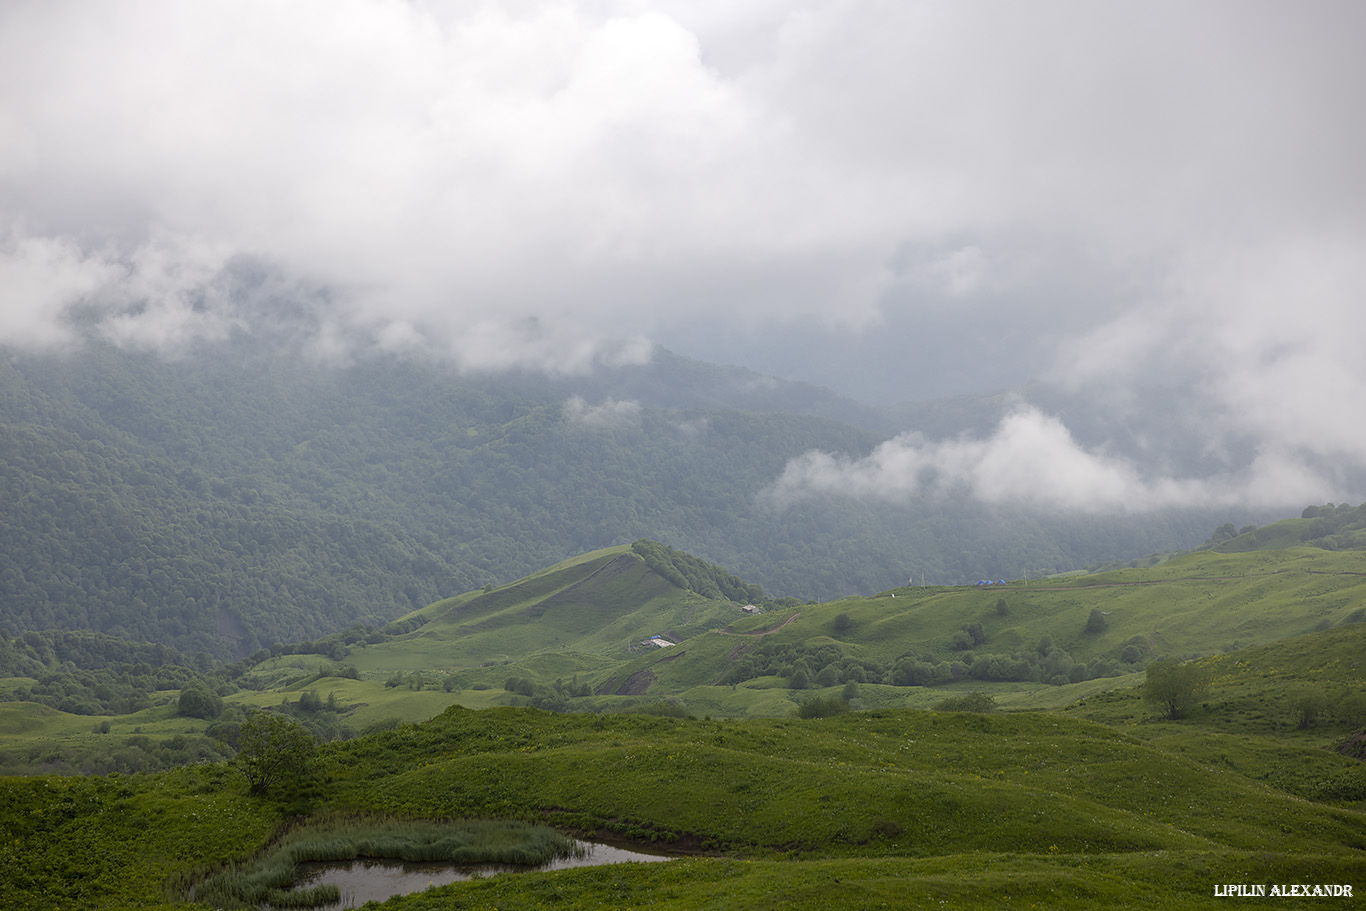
1031, 459
917, 195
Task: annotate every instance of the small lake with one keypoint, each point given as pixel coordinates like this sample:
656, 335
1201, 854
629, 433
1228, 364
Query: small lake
361, 881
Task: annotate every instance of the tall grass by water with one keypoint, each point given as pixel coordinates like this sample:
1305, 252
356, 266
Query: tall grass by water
267, 877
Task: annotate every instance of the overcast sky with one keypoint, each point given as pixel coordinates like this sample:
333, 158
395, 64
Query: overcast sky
896, 199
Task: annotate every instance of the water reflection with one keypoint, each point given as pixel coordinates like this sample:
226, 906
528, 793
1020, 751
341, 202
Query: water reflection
361, 881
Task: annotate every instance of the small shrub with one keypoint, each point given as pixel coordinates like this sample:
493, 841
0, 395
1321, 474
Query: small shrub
199, 702
818, 707
886, 829
1175, 687
522, 686
1307, 706
1350, 709
274, 751
1354, 746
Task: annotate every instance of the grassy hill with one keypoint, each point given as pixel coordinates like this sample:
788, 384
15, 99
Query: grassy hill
887, 808
574, 637
1068, 795
587, 617
576, 617
1330, 527
942, 782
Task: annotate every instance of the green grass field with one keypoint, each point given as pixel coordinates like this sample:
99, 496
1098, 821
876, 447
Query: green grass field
1067, 796
586, 618
963, 808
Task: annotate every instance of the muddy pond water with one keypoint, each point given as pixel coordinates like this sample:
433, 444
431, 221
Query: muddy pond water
361, 881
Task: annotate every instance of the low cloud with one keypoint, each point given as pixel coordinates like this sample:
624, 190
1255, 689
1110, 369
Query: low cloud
448, 171
501, 187
694, 428
1260, 339
958, 273
609, 413
1033, 460
927, 194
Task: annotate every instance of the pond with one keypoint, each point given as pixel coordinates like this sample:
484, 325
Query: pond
361, 881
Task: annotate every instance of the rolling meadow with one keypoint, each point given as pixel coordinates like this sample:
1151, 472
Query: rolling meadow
959, 747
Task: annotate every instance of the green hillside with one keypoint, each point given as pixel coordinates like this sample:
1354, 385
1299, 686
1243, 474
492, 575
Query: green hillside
870, 809
940, 782
1202, 603
579, 636
240, 498
586, 620
1060, 794
1330, 527
575, 617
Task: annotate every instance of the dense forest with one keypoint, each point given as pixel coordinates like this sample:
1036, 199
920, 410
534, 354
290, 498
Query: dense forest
224, 502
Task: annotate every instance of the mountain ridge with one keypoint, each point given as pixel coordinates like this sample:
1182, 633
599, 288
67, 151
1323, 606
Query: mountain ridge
226, 502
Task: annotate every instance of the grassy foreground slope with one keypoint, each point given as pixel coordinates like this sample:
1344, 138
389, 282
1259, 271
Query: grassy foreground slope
113, 842
877, 809
868, 783
1156, 880
964, 809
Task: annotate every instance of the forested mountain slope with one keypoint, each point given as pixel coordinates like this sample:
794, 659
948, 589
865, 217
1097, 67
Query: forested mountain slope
1339, 526
229, 500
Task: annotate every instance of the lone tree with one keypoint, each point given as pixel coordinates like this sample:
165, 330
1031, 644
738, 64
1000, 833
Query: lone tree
198, 701
1175, 687
274, 750
1308, 706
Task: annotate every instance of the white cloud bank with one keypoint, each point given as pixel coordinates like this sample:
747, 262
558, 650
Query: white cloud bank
555, 183
606, 414
1032, 460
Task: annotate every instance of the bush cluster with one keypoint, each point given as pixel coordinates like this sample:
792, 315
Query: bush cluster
118, 690
116, 753
826, 665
